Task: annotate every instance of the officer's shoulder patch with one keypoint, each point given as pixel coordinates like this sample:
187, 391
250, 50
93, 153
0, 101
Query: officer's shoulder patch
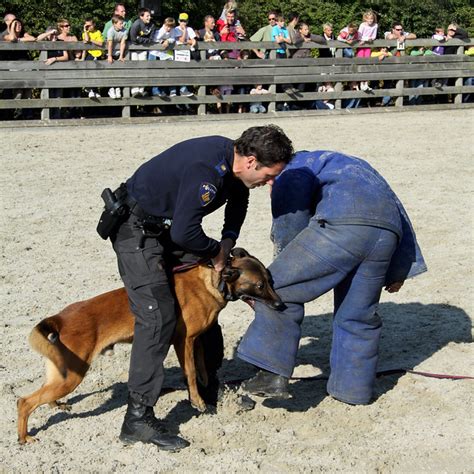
207, 192
222, 168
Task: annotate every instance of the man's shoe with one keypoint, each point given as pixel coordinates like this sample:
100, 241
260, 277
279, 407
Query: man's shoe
267, 384
140, 424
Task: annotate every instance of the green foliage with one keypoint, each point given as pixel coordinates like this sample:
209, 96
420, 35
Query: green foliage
418, 17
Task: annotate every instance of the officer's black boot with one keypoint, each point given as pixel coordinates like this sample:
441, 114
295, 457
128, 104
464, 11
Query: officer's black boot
140, 424
267, 384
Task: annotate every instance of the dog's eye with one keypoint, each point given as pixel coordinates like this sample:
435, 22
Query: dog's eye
259, 285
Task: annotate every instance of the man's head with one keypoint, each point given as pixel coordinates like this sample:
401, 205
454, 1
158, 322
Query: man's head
260, 155
272, 16
209, 22
145, 15
397, 28
120, 10
230, 17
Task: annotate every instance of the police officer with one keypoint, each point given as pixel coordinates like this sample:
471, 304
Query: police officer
336, 225
176, 189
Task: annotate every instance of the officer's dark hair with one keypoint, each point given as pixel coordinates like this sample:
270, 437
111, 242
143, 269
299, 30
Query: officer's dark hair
268, 144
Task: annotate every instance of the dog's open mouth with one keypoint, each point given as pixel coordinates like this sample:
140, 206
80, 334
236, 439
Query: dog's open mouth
248, 300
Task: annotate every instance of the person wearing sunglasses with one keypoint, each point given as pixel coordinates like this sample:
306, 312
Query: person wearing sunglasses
398, 33
265, 33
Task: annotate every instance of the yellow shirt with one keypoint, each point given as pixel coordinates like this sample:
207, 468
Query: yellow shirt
94, 36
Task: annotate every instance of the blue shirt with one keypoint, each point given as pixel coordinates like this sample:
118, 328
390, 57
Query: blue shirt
341, 189
277, 31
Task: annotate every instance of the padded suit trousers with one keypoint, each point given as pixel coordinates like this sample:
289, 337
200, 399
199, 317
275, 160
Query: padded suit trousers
352, 260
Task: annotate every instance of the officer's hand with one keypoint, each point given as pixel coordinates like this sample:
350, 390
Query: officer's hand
220, 260
394, 287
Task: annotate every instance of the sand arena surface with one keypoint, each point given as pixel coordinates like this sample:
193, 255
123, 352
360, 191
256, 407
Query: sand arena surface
51, 256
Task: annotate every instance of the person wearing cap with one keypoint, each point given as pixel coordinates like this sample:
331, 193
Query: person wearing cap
184, 35
181, 186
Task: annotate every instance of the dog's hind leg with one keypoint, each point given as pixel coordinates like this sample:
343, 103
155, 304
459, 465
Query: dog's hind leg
200, 363
56, 387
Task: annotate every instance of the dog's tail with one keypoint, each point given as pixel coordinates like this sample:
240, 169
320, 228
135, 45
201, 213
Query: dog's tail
44, 338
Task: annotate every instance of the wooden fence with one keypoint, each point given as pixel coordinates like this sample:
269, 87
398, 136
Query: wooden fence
392, 78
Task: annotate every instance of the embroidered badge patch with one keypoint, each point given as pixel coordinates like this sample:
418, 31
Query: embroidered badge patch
207, 192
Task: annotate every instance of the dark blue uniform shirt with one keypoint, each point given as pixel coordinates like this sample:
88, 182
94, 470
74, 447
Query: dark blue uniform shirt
187, 182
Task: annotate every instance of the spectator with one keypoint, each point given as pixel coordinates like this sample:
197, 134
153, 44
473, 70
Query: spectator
349, 35
166, 37
243, 89
367, 32
116, 44
325, 103
265, 34
224, 90
121, 11
64, 34
439, 36
381, 54
418, 83
141, 33
15, 33
209, 29
327, 35
293, 20
7, 19
398, 33
54, 56
184, 35
455, 32
258, 107
231, 30
212, 54
281, 36
91, 35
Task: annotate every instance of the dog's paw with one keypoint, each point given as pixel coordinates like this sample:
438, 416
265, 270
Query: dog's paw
28, 439
199, 405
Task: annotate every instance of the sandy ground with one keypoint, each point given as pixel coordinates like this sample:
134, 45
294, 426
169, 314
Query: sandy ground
51, 181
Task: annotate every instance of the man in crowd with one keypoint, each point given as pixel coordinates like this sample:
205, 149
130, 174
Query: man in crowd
119, 10
180, 186
209, 27
336, 225
230, 31
265, 33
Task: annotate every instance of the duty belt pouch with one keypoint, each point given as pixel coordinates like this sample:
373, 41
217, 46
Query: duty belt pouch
114, 214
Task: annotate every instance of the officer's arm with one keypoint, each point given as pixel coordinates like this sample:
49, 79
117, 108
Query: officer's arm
235, 211
186, 230
293, 203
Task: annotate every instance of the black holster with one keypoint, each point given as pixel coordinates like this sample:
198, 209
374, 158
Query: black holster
115, 212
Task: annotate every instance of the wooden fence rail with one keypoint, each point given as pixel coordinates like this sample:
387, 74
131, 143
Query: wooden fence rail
397, 77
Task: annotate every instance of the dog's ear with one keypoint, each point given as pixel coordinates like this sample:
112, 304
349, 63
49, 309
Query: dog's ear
230, 274
239, 252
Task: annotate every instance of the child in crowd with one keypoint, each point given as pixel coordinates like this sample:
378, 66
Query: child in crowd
440, 36
166, 37
381, 53
349, 35
116, 43
212, 54
91, 35
224, 90
367, 33
326, 103
256, 107
184, 35
281, 36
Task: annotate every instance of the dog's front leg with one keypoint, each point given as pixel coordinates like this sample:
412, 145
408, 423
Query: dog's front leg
190, 371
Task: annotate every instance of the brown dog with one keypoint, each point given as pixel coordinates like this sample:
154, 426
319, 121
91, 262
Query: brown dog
72, 339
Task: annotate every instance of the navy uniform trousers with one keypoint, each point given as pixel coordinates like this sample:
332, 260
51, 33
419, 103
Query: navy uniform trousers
145, 274
351, 259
